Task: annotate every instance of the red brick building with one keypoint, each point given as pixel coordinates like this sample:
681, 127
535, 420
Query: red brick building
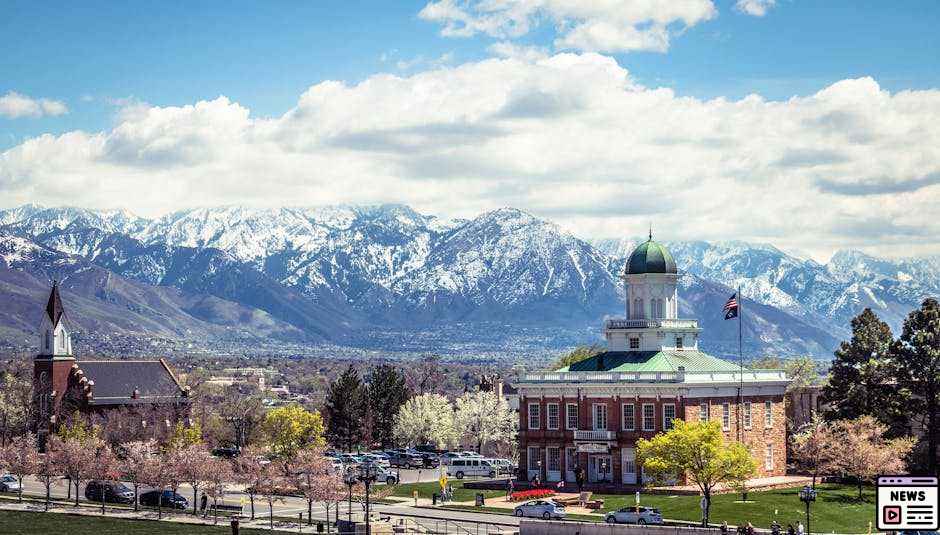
590, 415
63, 385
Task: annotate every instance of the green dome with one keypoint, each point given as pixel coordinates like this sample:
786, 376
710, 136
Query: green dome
650, 257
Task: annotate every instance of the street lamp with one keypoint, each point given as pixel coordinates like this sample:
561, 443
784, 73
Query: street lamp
350, 479
807, 495
367, 474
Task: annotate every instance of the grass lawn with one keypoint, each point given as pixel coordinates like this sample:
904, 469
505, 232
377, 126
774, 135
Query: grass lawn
426, 489
28, 523
837, 508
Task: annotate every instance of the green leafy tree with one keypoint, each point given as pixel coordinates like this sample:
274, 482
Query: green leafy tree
697, 451
577, 355
291, 428
860, 380
345, 410
184, 436
387, 392
916, 366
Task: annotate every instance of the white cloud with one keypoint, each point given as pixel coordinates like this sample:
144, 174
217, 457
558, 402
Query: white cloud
14, 105
571, 137
756, 8
594, 25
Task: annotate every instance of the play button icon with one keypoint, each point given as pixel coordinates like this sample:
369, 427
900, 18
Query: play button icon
891, 514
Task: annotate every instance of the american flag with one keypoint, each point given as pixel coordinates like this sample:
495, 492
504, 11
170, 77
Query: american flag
731, 307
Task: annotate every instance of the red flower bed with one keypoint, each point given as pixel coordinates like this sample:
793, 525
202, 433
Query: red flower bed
532, 494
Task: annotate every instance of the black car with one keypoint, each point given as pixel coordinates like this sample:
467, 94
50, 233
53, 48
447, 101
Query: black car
169, 499
226, 453
113, 492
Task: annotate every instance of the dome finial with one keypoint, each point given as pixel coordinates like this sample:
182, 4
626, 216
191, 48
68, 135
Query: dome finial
651, 231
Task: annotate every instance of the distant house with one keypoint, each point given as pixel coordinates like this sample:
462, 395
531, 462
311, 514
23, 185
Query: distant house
64, 385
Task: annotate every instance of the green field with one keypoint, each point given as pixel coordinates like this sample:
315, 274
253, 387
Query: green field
27, 523
837, 507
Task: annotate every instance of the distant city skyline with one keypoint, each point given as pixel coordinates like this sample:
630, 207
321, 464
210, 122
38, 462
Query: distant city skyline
813, 127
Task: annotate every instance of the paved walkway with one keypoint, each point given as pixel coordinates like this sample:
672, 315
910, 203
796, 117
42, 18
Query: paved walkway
755, 484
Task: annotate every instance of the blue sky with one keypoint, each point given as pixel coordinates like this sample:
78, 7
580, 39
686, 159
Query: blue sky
132, 64
264, 54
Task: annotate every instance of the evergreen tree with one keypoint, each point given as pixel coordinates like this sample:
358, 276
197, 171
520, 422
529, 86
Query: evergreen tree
917, 371
345, 410
860, 381
387, 393
577, 355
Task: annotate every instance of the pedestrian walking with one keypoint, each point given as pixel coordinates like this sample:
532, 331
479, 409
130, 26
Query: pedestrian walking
790, 530
750, 529
724, 527
775, 528
509, 489
799, 529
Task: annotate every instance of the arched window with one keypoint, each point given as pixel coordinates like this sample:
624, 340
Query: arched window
642, 310
48, 340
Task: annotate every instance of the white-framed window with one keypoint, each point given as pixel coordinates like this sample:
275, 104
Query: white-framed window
553, 420
678, 342
747, 415
768, 414
599, 411
535, 415
649, 417
629, 417
703, 411
634, 343
571, 459
726, 416
571, 415
669, 414
534, 457
553, 459
769, 457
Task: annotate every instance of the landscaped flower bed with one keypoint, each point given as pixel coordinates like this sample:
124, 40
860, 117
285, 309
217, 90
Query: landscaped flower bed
532, 494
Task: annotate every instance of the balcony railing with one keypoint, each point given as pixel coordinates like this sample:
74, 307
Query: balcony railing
593, 434
661, 323
680, 376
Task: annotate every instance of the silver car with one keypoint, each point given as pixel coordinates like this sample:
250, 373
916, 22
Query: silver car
635, 515
9, 483
546, 509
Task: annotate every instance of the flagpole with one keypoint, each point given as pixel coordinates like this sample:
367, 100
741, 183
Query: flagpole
740, 361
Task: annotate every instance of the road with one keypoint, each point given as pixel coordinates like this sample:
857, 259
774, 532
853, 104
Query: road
291, 506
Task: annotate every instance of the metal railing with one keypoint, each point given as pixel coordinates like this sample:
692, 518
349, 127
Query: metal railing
657, 323
593, 434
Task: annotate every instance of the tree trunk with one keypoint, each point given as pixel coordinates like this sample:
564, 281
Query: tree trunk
48, 492
102, 500
136, 496
271, 513
251, 497
77, 483
19, 492
708, 505
860, 488
160, 505
309, 512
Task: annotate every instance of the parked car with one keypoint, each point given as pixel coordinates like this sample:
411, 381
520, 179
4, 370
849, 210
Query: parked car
430, 460
635, 515
546, 509
226, 452
385, 475
407, 460
167, 498
448, 456
503, 466
9, 483
374, 458
114, 492
468, 466
349, 459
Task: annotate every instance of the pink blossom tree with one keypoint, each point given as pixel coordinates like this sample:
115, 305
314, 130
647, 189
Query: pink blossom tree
47, 469
862, 451
20, 458
271, 481
218, 474
815, 447
157, 473
249, 468
193, 463
104, 466
134, 466
313, 476
73, 458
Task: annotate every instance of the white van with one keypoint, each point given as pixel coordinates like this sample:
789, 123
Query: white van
467, 466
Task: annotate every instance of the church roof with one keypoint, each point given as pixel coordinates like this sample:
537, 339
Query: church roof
651, 361
650, 257
54, 308
121, 382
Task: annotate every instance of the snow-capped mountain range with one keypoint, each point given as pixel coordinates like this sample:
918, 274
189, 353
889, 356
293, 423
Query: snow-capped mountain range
386, 277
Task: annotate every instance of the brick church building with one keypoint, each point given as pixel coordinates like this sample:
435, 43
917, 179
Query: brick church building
590, 415
64, 385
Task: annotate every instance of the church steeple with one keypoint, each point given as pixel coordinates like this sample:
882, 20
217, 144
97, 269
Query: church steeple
55, 340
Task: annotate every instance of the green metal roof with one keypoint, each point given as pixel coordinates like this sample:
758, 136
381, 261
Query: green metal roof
650, 257
651, 361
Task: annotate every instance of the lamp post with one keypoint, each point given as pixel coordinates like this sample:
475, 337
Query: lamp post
367, 474
807, 496
350, 479
604, 470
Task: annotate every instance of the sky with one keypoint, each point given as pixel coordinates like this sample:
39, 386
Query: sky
813, 126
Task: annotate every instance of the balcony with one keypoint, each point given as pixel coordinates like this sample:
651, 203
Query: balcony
662, 323
604, 377
594, 434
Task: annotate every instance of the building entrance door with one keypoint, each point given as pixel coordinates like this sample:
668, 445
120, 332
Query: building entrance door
599, 469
